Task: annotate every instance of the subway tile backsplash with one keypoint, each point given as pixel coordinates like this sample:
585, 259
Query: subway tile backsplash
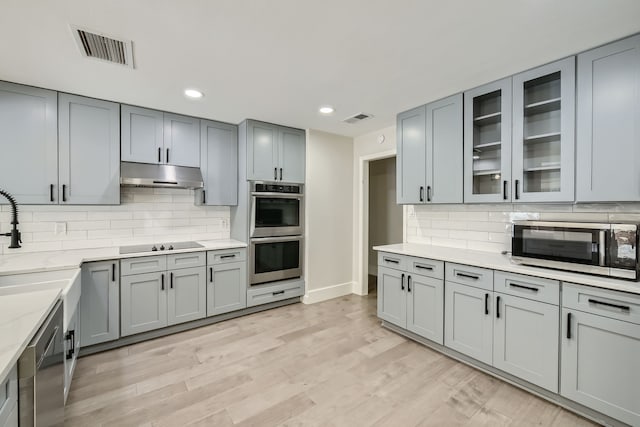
487, 227
145, 215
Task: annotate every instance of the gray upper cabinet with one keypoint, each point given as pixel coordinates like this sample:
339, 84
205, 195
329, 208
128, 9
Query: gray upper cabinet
608, 123
187, 297
151, 136
487, 143
219, 164
181, 140
429, 159
275, 153
29, 123
226, 288
143, 302
89, 151
99, 303
392, 301
543, 133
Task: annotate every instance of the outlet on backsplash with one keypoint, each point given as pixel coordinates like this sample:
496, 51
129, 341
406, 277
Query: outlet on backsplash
224, 223
60, 228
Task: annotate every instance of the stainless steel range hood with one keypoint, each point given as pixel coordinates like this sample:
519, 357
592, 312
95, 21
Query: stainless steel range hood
164, 176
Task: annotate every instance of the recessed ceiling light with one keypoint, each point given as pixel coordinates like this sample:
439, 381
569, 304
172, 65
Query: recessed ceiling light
193, 93
326, 109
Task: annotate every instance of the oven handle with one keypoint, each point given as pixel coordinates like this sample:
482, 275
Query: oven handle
279, 195
256, 240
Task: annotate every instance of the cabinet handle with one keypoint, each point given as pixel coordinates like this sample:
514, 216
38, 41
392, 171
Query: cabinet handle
568, 326
167, 155
280, 174
162, 282
210, 274
428, 193
159, 154
64, 192
608, 304
409, 283
394, 261
498, 307
402, 282
529, 288
204, 197
421, 194
275, 174
278, 293
517, 189
51, 193
171, 280
468, 276
113, 272
504, 190
486, 304
227, 256
424, 267
71, 338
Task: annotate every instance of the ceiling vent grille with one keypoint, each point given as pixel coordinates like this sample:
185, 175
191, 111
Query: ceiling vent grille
105, 48
357, 118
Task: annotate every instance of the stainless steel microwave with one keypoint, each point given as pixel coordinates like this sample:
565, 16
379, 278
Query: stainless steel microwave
603, 249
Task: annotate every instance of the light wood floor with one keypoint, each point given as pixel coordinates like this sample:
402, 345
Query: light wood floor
324, 364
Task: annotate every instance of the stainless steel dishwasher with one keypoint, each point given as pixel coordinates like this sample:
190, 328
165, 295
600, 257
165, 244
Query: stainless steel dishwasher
41, 375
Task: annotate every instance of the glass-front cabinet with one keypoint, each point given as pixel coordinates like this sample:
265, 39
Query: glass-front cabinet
487, 143
543, 133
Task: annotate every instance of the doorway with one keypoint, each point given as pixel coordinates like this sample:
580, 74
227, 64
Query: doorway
385, 216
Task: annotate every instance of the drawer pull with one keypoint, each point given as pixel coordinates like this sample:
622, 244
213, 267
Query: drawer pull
395, 261
278, 293
568, 326
227, 256
424, 267
529, 288
608, 304
468, 276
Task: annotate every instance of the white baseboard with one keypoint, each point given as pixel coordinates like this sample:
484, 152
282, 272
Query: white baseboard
329, 292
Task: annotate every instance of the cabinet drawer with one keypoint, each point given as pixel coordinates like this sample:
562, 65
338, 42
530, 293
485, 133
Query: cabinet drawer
473, 276
226, 255
603, 302
149, 264
8, 396
426, 267
534, 288
274, 293
395, 261
186, 260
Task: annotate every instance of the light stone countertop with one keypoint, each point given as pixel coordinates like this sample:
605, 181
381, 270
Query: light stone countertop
60, 260
496, 261
21, 315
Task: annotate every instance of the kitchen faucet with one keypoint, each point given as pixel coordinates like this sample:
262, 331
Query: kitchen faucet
14, 234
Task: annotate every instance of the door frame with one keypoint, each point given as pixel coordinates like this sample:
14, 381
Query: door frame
361, 262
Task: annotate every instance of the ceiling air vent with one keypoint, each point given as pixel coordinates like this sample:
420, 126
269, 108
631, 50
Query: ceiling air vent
357, 118
105, 48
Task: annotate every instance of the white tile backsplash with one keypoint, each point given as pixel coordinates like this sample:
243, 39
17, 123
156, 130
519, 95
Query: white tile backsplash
487, 227
146, 215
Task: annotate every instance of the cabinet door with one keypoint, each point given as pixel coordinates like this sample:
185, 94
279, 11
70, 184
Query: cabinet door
468, 325
89, 151
525, 340
262, 151
425, 305
187, 298
601, 364
543, 133
608, 123
9, 399
291, 155
219, 163
487, 143
29, 123
410, 160
444, 151
181, 140
143, 303
142, 135
392, 296
99, 303
226, 288
71, 349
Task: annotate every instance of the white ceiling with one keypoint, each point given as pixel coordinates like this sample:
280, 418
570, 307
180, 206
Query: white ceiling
279, 60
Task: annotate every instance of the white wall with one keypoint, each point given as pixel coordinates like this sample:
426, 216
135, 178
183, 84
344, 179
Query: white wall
329, 205
145, 215
385, 216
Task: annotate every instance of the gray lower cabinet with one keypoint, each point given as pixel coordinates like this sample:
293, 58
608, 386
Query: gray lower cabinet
88, 151
226, 288
468, 321
608, 113
218, 163
187, 298
71, 350
100, 303
143, 303
601, 352
392, 301
9, 399
425, 316
29, 123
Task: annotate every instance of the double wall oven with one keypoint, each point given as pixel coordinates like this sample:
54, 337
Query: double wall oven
276, 232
